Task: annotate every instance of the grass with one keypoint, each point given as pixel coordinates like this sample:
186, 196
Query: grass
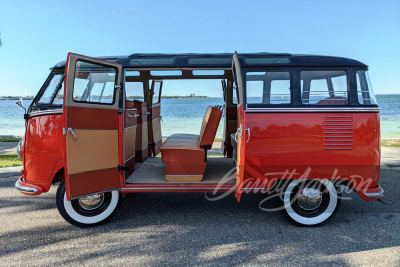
9, 160
10, 139
390, 142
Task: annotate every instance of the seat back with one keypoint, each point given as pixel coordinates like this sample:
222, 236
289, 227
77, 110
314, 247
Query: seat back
333, 100
209, 126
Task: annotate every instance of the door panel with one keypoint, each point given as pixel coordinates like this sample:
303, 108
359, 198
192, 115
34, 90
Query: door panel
91, 126
240, 134
155, 136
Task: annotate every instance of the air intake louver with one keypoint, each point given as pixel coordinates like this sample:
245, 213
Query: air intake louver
338, 132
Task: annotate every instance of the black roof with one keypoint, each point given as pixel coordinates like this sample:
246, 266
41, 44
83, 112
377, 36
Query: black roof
224, 60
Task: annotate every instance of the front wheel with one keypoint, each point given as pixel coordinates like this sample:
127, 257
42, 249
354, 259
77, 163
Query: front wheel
310, 202
87, 211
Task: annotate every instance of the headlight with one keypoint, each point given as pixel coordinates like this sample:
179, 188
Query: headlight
19, 150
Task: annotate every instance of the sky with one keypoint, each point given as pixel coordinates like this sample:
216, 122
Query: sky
36, 35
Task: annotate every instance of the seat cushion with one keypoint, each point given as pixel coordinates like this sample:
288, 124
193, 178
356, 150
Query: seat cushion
182, 142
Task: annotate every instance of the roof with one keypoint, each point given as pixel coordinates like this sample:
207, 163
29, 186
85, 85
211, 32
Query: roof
224, 60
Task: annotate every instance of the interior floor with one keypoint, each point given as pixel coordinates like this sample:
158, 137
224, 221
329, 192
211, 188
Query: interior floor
152, 171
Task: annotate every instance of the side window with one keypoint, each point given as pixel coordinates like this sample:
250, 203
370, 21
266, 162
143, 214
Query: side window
270, 88
94, 83
134, 91
254, 92
364, 89
324, 87
156, 92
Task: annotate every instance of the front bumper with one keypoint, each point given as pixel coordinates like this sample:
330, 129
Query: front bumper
372, 193
28, 189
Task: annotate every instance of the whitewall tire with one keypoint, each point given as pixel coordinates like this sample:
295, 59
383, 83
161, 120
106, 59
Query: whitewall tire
87, 211
310, 202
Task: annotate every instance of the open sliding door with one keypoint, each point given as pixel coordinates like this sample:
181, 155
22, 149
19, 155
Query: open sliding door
155, 136
91, 126
240, 133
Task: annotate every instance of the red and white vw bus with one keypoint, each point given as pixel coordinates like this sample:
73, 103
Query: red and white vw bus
298, 127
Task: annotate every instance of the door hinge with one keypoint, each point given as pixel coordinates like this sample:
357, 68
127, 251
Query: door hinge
122, 168
64, 131
117, 87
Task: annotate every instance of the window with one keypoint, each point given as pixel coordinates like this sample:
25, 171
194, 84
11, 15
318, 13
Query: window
324, 87
156, 92
208, 72
53, 86
134, 91
270, 88
94, 83
166, 73
59, 99
364, 89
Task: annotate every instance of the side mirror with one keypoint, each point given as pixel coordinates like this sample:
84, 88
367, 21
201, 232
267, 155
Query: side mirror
21, 103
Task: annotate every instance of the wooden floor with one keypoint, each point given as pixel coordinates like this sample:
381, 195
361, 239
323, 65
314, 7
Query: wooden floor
153, 171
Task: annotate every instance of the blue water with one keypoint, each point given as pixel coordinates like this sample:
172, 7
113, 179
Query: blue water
184, 115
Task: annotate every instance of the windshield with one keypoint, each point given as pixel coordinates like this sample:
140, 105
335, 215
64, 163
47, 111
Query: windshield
51, 95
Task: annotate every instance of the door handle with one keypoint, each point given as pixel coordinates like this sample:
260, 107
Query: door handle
248, 136
72, 131
133, 116
146, 113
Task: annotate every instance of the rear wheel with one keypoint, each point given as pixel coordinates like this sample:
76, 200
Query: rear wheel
87, 211
310, 202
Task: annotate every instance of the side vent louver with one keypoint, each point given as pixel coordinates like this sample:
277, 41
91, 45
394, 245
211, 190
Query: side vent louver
338, 132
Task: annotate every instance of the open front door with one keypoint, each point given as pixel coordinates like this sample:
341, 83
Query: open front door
91, 126
155, 136
240, 133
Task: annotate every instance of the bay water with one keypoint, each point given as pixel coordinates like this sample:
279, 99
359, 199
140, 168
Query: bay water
185, 115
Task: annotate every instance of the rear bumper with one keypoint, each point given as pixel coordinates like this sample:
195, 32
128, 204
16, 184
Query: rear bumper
372, 193
28, 189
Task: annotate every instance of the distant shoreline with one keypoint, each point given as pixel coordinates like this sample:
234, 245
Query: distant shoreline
162, 97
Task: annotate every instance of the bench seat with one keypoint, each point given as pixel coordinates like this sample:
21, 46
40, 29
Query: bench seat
185, 154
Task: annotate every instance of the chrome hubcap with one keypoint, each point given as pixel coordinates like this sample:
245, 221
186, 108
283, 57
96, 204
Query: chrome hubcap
91, 202
309, 198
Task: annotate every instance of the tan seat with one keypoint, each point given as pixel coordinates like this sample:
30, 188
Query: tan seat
185, 154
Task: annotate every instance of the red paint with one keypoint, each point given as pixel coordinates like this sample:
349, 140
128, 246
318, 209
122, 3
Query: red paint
295, 141
43, 149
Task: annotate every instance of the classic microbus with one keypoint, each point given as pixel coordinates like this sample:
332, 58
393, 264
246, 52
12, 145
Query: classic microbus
296, 126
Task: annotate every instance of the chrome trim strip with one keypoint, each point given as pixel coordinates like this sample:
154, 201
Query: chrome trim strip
130, 127
130, 158
181, 188
158, 140
375, 195
25, 189
305, 110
